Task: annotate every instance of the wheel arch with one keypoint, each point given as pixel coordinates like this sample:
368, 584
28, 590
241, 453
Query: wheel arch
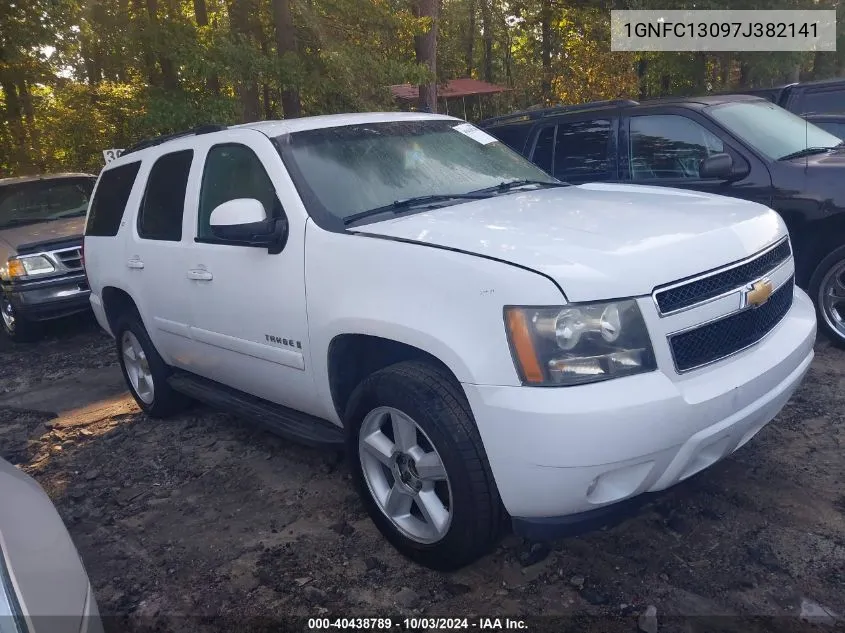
351, 357
117, 302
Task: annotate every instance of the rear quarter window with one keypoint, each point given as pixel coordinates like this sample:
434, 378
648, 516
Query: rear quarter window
110, 200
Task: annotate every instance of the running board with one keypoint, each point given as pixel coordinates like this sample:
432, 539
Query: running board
298, 427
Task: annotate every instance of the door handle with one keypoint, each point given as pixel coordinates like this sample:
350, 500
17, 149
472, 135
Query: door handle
135, 263
200, 275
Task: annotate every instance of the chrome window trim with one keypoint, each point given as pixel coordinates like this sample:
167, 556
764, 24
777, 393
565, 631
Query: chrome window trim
713, 273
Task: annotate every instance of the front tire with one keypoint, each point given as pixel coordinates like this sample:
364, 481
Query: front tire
420, 466
15, 327
145, 371
827, 288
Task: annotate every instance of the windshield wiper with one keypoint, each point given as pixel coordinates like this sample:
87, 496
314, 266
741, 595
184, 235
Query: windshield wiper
409, 203
507, 185
809, 151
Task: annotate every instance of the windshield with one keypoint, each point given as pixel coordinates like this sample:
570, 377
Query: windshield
770, 129
343, 171
44, 200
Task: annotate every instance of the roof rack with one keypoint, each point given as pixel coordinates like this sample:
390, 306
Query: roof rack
531, 114
158, 140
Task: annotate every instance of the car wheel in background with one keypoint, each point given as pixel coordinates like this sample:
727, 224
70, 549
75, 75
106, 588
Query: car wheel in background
14, 326
420, 466
827, 288
144, 370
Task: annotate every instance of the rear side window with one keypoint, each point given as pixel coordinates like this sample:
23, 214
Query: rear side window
514, 136
581, 151
164, 200
110, 200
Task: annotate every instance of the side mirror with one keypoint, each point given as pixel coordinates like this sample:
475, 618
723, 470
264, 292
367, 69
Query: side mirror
244, 220
721, 167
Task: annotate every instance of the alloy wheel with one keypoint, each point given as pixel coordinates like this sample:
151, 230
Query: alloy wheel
137, 367
405, 475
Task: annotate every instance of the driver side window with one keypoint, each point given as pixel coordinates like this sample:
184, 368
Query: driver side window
232, 171
669, 146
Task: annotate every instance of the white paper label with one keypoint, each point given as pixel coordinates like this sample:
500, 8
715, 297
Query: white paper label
110, 154
479, 136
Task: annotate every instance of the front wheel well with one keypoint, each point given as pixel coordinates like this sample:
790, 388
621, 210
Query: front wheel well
353, 357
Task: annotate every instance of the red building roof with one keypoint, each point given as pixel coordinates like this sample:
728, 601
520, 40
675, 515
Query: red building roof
453, 88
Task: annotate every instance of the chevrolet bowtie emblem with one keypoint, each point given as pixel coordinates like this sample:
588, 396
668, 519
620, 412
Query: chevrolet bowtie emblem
759, 293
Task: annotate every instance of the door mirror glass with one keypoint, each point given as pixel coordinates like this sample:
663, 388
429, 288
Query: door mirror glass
241, 220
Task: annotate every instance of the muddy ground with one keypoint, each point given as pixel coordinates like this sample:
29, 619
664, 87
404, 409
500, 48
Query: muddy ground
205, 523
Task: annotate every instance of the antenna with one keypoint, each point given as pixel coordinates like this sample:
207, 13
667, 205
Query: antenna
806, 143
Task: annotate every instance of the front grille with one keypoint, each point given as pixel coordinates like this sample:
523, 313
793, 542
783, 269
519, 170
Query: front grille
703, 289
70, 258
729, 335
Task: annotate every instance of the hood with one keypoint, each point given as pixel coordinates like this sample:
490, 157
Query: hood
833, 159
42, 231
46, 571
599, 241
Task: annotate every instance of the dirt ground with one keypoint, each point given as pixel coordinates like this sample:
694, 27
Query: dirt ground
205, 523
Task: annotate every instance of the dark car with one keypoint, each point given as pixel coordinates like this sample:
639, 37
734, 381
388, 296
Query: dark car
833, 123
735, 145
41, 268
824, 96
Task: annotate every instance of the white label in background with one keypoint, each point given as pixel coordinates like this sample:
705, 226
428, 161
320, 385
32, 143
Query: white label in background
475, 134
110, 154
723, 30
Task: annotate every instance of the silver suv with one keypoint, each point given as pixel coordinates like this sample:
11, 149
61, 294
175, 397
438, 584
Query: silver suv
41, 268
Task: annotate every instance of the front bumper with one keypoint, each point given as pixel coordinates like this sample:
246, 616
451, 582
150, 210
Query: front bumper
46, 299
560, 455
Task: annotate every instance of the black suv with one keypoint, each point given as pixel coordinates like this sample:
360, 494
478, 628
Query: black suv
735, 145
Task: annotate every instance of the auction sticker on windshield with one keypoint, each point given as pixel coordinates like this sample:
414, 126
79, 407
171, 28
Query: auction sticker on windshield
475, 134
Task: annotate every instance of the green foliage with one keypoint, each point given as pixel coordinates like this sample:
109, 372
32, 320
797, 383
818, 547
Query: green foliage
78, 76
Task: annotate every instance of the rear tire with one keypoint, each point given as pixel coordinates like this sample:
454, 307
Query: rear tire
15, 327
144, 370
420, 467
827, 290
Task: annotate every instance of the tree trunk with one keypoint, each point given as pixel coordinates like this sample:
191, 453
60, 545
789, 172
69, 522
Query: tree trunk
642, 78
699, 72
212, 82
546, 49
487, 26
725, 67
745, 78
148, 59
470, 43
240, 16
286, 46
19, 155
425, 46
34, 134
168, 70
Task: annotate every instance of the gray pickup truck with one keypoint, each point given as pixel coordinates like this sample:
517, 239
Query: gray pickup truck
41, 267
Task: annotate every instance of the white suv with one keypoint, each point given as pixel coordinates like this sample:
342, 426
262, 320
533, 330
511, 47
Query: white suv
487, 342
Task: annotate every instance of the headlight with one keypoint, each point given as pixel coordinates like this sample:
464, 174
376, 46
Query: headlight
579, 343
11, 617
29, 266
